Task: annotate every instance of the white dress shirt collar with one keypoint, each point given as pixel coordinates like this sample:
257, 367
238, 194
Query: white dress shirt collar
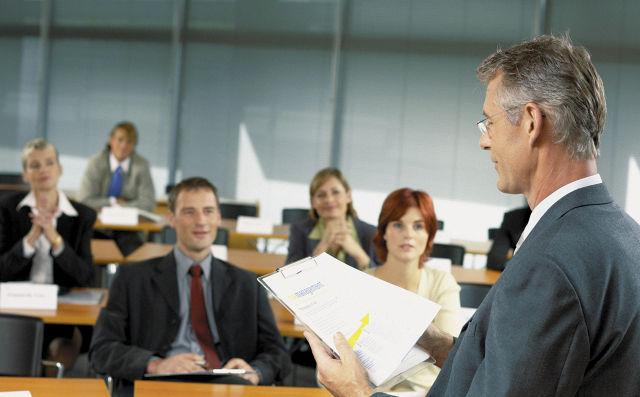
64, 205
113, 163
553, 198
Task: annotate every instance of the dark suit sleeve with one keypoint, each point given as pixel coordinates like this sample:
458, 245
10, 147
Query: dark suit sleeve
536, 332
297, 243
75, 260
12, 260
273, 359
365, 235
112, 352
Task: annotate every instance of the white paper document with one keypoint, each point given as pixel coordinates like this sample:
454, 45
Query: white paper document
382, 322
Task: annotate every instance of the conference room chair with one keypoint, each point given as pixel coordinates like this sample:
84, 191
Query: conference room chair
21, 339
491, 233
449, 251
234, 210
293, 215
12, 182
472, 295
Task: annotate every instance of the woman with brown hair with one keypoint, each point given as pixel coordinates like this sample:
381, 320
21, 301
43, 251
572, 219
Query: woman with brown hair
333, 225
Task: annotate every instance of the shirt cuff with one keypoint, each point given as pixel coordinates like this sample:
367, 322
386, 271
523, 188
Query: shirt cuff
259, 373
27, 249
59, 250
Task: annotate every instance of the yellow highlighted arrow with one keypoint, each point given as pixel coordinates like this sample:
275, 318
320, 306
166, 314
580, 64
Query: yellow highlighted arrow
354, 338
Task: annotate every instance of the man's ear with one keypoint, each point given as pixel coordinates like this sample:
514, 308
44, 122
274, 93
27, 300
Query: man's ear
171, 219
533, 120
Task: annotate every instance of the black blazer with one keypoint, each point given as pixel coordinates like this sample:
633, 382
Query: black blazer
513, 224
141, 320
301, 246
72, 268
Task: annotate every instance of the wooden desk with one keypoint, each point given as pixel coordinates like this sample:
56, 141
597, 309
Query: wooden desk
67, 313
263, 263
105, 252
256, 262
147, 251
284, 319
247, 241
475, 276
144, 225
53, 387
146, 388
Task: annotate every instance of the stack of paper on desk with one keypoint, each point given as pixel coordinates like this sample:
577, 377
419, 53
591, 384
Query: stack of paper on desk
381, 321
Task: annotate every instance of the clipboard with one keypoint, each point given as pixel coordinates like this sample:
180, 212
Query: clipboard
327, 296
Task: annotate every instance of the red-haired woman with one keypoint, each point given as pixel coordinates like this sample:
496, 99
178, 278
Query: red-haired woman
403, 241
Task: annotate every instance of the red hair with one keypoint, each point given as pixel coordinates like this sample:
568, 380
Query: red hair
394, 207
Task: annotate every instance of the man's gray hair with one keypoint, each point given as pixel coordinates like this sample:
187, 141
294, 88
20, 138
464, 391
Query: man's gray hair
560, 78
36, 144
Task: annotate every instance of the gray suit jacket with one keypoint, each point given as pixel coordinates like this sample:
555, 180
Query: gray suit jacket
137, 187
564, 317
301, 246
141, 320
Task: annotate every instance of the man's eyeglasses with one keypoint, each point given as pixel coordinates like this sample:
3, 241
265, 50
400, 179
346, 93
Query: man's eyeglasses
482, 124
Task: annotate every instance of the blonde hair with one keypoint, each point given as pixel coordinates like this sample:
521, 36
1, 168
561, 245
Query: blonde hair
319, 179
37, 144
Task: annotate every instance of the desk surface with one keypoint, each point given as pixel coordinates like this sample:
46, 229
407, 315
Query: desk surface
106, 251
52, 387
247, 241
67, 313
142, 226
475, 276
146, 388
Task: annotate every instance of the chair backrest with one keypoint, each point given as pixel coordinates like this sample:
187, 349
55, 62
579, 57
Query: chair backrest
491, 233
12, 178
169, 236
234, 210
472, 295
11, 183
20, 345
449, 251
292, 215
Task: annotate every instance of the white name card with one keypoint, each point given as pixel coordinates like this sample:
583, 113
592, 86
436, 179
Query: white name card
119, 216
253, 225
28, 296
219, 251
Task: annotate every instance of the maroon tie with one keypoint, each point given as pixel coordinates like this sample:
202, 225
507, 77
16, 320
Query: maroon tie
199, 319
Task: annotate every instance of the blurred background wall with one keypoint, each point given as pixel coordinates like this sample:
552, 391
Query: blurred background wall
257, 95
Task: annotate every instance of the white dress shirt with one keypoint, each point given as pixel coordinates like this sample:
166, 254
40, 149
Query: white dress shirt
42, 266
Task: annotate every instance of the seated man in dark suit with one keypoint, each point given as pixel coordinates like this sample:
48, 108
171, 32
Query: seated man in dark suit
46, 238
506, 238
187, 311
